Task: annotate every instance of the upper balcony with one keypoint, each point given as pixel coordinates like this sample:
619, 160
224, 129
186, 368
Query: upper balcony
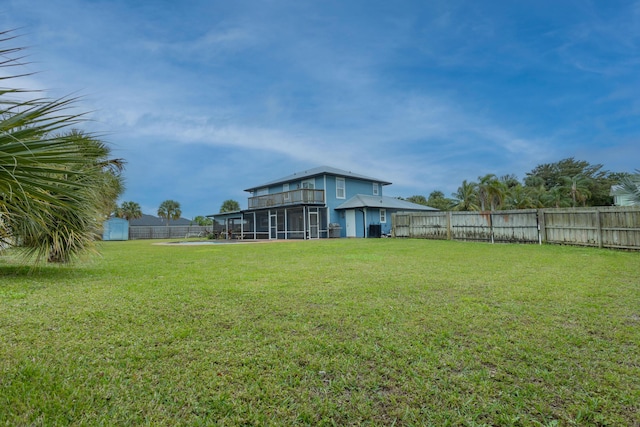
303, 196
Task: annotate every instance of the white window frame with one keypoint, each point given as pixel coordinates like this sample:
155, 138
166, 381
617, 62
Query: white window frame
376, 189
383, 216
309, 184
341, 188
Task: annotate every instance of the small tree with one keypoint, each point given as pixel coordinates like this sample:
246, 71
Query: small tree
417, 199
169, 209
203, 221
438, 201
229, 206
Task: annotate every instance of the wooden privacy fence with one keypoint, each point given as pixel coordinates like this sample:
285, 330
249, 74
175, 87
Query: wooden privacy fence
170, 232
605, 227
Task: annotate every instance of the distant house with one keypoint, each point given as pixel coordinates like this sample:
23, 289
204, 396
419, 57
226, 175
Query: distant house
620, 197
317, 203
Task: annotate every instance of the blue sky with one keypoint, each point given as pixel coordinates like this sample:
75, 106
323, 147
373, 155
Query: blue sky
207, 98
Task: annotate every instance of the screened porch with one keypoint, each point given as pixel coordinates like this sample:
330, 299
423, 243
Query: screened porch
300, 222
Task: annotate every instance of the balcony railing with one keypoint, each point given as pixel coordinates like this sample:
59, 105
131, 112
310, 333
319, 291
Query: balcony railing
302, 196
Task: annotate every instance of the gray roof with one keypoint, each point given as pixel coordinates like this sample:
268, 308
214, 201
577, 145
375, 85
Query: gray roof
365, 201
322, 170
232, 214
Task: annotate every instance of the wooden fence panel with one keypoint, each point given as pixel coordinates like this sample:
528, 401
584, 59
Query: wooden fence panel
433, 226
620, 228
401, 224
472, 226
516, 226
608, 227
571, 227
417, 225
164, 232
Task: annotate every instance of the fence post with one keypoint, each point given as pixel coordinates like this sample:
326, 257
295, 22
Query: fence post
598, 228
448, 225
491, 226
410, 236
538, 224
542, 231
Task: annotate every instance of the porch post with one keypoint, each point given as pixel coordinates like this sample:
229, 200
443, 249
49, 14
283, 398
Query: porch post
364, 220
286, 224
304, 221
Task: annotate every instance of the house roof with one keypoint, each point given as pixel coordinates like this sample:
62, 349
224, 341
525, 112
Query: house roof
322, 170
150, 220
365, 201
232, 214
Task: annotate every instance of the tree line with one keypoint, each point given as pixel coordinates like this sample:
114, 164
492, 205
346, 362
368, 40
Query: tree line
170, 210
566, 183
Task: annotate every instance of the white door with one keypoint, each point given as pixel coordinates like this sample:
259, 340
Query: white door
350, 217
273, 226
314, 226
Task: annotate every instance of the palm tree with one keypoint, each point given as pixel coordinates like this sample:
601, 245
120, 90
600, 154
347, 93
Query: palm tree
51, 183
466, 198
577, 187
129, 211
629, 188
519, 197
169, 209
491, 192
108, 171
556, 197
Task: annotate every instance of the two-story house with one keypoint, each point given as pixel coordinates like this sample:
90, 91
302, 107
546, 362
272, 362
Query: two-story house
316, 203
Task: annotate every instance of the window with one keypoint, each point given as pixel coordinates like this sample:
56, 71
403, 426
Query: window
309, 183
383, 216
376, 189
262, 191
285, 187
340, 187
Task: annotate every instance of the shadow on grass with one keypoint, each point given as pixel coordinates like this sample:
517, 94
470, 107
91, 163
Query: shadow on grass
15, 264
51, 273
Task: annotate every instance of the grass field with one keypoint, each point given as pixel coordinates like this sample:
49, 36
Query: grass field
332, 332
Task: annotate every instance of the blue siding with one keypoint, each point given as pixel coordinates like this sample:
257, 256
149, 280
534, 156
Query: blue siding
373, 217
353, 187
297, 184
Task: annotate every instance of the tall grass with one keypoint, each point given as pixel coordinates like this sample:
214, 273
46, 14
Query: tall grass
332, 332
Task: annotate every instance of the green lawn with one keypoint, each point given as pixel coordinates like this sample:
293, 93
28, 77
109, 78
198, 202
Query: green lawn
332, 332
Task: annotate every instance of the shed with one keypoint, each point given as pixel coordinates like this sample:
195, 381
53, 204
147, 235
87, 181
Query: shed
115, 229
